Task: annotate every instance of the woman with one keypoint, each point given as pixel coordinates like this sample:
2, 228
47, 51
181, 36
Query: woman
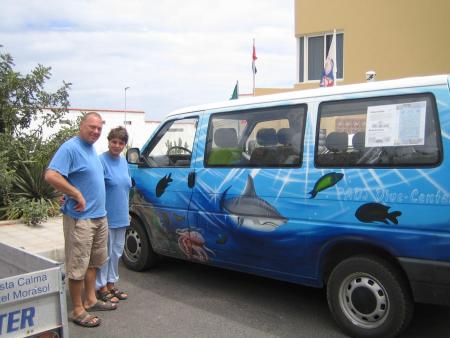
117, 184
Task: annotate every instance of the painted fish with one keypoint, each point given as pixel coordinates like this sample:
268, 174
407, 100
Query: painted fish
376, 212
250, 211
163, 184
325, 182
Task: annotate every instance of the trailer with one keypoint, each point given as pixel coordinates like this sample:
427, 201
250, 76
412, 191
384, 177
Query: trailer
32, 295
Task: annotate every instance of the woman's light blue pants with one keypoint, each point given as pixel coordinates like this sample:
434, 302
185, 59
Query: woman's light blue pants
109, 272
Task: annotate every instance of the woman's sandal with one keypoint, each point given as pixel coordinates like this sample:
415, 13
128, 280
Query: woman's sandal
107, 296
119, 294
102, 306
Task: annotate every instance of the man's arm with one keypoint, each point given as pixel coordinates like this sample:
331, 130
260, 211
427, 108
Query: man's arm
57, 181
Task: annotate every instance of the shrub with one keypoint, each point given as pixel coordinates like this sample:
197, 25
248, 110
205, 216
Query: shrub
32, 211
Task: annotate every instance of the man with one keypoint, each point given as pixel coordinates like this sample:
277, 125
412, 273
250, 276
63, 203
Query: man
76, 171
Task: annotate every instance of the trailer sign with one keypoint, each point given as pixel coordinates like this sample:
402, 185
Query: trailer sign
32, 296
17, 319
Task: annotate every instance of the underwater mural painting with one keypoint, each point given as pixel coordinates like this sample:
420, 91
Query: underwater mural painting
250, 211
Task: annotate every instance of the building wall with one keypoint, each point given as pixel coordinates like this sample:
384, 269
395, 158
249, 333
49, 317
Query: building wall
396, 38
138, 129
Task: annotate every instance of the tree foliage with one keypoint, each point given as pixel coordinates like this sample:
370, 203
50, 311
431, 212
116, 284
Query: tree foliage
26, 109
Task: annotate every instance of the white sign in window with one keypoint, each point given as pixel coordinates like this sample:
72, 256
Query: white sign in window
396, 125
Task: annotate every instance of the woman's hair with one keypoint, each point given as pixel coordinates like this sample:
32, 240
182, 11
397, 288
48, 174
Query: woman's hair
120, 133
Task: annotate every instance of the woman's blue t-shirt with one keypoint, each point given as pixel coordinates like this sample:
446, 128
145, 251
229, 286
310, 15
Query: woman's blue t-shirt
118, 184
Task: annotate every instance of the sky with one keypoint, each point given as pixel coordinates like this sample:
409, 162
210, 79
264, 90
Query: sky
170, 53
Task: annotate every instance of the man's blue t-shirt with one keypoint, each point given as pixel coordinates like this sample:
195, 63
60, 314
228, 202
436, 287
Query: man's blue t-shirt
78, 162
118, 184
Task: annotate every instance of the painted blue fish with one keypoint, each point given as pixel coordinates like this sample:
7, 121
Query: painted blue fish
325, 182
376, 212
250, 211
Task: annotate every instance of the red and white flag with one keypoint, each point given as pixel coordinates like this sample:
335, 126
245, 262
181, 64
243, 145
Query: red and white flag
254, 58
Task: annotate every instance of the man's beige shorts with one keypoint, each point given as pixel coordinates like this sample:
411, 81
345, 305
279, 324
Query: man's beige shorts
86, 245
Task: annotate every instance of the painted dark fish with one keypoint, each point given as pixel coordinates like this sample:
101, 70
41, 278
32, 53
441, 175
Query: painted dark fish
376, 212
250, 211
163, 184
325, 182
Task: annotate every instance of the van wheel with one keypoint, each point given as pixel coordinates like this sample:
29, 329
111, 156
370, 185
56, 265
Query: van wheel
138, 253
368, 297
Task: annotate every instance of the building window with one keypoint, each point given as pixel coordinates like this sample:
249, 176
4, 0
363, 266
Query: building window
312, 53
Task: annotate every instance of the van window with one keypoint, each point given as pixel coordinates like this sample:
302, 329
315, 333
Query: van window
269, 137
397, 131
172, 146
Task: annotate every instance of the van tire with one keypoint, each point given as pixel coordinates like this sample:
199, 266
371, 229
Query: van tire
368, 297
138, 254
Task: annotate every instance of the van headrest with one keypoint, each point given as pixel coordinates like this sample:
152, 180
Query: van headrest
337, 142
225, 138
266, 137
358, 141
284, 136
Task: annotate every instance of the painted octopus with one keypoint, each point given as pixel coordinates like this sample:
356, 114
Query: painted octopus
192, 244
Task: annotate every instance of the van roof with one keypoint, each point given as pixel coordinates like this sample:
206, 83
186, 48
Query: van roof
310, 93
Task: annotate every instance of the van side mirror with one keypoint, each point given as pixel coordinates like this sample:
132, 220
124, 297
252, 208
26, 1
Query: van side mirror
133, 156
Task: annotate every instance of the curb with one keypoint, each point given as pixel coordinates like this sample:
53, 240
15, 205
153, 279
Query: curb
56, 254
11, 222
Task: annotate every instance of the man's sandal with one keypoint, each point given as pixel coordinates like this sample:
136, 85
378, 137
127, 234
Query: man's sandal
119, 294
86, 320
107, 296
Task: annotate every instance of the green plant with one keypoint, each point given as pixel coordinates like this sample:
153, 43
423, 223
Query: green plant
28, 181
30, 196
23, 99
32, 211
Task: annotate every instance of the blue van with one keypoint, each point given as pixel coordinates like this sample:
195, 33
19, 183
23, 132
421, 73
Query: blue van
346, 188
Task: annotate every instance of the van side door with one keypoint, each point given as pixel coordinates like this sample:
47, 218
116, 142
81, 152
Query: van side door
163, 190
250, 190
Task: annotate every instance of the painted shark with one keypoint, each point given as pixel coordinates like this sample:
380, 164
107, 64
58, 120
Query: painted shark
250, 211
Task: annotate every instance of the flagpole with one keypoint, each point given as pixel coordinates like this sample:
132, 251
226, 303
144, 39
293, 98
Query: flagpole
253, 66
334, 58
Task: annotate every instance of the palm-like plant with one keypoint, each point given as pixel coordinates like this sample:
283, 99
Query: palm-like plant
30, 194
28, 182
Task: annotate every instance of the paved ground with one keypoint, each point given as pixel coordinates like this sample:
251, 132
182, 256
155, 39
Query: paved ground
46, 239
180, 299
183, 300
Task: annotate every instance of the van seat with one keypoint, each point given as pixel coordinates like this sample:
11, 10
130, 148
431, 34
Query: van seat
266, 154
358, 141
337, 145
227, 150
286, 152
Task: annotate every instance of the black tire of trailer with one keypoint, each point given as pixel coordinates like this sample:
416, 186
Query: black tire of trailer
138, 254
368, 297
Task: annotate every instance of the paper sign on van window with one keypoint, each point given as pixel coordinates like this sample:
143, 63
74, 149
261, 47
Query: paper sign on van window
396, 125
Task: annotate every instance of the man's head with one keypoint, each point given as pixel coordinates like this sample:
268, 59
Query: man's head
91, 127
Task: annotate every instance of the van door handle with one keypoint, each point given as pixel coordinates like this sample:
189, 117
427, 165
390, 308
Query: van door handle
191, 179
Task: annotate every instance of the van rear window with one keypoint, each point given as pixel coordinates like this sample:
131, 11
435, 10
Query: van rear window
267, 137
394, 131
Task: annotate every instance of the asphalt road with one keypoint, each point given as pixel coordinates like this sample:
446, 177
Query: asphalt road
181, 299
